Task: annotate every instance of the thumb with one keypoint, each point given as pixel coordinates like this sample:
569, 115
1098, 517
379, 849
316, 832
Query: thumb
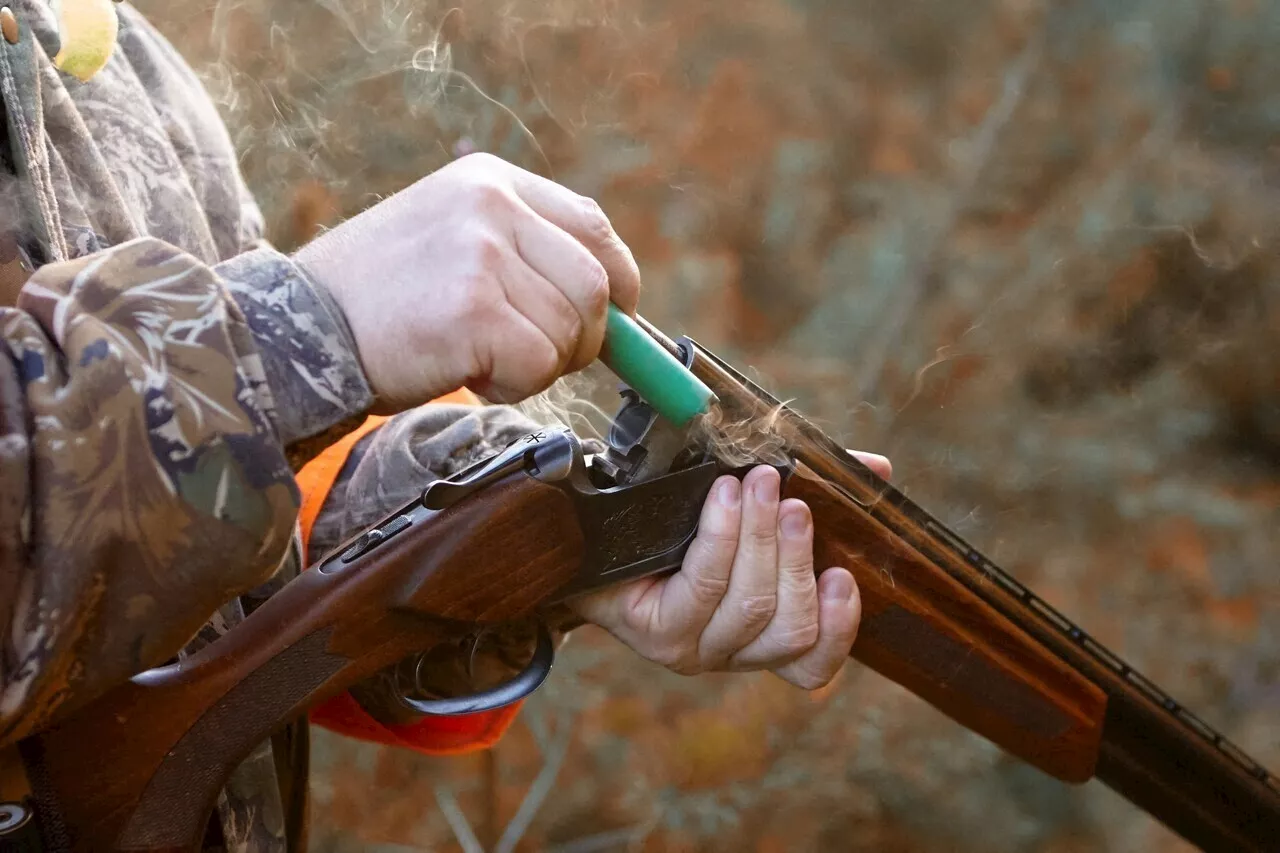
881, 465
628, 612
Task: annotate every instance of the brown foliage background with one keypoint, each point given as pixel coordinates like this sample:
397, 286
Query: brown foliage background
1029, 250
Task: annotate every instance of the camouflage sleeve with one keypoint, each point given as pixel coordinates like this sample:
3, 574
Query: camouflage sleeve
143, 478
308, 354
386, 469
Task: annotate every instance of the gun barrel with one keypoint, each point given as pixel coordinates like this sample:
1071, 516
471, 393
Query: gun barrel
1152, 750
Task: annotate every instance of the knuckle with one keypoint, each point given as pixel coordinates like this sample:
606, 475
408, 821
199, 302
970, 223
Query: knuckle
797, 578
572, 332
594, 220
763, 536
494, 198
707, 588
665, 655
708, 550
573, 319
798, 638
639, 624
545, 361
477, 303
478, 162
595, 285
715, 545
675, 657
687, 667
490, 250
759, 608
488, 196
808, 678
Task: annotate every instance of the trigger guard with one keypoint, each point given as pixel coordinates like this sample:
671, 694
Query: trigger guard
529, 680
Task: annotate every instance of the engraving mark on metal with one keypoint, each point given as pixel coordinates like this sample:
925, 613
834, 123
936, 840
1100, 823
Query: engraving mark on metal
646, 528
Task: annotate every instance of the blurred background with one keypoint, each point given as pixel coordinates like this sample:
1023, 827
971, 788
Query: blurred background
1027, 249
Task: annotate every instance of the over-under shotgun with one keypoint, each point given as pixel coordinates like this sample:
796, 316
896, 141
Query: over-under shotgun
140, 769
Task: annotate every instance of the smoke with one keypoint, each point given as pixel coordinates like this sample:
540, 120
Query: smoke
736, 440
361, 98
754, 439
336, 104
576, 401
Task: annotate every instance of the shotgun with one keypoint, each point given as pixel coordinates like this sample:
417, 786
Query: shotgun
542, 521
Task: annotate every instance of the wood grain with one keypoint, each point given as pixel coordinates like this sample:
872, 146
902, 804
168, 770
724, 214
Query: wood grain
141, 768
925, 631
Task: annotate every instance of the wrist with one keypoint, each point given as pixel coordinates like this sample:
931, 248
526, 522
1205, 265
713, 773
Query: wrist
312, 262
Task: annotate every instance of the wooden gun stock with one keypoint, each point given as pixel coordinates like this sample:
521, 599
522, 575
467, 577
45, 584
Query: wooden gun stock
141, 769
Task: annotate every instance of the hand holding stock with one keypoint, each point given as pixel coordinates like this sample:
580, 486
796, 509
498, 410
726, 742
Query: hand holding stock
746, 597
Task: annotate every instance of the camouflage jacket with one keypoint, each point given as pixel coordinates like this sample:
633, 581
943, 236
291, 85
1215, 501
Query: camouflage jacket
168, 370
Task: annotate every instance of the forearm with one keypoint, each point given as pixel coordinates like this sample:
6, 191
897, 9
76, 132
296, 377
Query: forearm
145, 482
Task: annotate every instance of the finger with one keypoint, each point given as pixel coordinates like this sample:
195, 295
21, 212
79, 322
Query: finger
544, 305
877, 463
752, 597
793, 631
518, 362
582, 218
690, 596
664, 620
840, 610
579, 277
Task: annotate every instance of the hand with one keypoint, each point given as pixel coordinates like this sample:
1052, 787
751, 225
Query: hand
481, 274
746, 597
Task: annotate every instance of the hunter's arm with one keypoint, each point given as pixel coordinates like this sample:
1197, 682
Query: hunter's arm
145, 407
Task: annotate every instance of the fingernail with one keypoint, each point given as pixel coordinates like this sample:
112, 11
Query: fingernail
839, 588
766, 489
729, 492
795, 524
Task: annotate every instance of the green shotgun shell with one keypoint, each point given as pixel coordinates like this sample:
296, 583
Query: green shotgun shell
652, 372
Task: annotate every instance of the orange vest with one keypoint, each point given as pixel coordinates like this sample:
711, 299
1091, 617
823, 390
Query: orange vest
342, 714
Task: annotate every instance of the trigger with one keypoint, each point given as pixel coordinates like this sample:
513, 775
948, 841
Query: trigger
529, 680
